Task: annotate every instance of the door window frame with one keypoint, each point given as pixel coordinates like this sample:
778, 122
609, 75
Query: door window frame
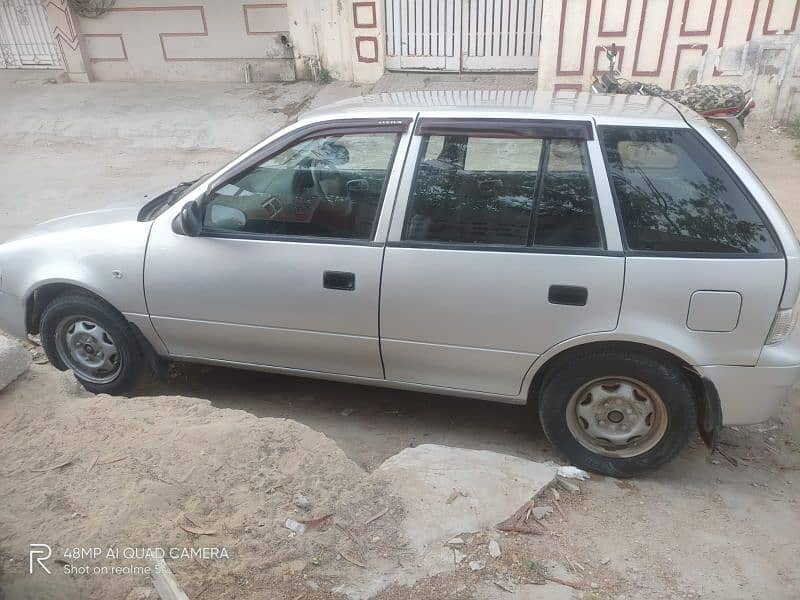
582, 129
398, 125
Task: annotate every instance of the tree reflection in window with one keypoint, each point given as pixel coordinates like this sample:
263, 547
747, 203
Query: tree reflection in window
674, 195
483, 190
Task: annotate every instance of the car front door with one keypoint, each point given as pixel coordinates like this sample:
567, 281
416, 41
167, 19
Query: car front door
497, 254
286, 270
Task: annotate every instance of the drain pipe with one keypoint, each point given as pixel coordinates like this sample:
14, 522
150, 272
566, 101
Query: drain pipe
318, 63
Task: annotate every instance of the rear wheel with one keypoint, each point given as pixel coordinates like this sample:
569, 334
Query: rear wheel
90, 338
617, 413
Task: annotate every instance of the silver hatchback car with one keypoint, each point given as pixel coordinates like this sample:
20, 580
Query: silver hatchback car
607, 259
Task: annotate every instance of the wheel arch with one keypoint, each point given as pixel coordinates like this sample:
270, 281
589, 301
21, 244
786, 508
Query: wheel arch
702, 395
38, 299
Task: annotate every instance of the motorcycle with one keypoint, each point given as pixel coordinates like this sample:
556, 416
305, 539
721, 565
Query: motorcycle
725, 107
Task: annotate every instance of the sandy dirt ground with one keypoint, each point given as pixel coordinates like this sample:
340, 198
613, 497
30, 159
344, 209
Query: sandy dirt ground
174, 472
83, 471
704, 526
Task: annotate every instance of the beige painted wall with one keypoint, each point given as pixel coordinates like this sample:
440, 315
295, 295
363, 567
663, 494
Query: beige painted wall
213, 40
349, 33
157, 40
752, 43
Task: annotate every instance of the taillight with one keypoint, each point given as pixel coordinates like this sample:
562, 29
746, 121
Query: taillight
782, 326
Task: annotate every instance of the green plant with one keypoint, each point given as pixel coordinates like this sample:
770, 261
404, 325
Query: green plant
324, 75
793, 128
793, 131
536, 568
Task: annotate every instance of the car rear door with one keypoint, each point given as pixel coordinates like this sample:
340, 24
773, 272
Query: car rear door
496, 252
286, 271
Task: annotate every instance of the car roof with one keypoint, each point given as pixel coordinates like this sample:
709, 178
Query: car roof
605, 109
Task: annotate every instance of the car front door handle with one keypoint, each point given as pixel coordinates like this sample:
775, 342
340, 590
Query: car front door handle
339, 280
571, 295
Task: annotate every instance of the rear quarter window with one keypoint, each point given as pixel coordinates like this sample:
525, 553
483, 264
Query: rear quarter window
674, 194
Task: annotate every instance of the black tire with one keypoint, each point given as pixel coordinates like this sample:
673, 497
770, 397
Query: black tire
131, 359
664, 378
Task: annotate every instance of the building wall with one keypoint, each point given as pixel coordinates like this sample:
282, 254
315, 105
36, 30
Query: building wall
213, 40
349, 37
752, 43
157, 40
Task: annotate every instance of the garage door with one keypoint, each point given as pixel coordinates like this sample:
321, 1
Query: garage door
462, 35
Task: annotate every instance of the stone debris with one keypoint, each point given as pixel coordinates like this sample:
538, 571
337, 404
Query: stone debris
477, 565
455, 541
494, 549
14, 360
570, 472
570, 487
505, 585
301, 502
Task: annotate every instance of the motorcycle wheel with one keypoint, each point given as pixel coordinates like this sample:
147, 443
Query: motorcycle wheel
725, 130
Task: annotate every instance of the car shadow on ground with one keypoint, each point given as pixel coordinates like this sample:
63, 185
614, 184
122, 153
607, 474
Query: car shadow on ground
368, 423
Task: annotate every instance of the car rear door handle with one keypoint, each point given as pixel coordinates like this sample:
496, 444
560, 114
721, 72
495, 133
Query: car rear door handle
339, 280
571, 295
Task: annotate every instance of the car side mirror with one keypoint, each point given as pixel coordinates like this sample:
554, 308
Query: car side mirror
190, 220
220, 216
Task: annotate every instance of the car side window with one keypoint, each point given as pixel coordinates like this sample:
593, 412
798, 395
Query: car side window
473, 189
675, 195
565, 211
329, 186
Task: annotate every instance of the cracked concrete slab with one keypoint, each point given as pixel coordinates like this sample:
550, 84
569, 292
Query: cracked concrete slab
490, 487
551, 591
447, 491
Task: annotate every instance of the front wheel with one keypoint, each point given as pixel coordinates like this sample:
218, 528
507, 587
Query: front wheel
90, 338
617, 413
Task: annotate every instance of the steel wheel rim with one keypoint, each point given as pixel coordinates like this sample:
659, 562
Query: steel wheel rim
88, 349
619, 417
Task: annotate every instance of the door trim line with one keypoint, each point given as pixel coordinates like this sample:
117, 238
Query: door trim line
460, 347
296, 239
265, 327
501, 248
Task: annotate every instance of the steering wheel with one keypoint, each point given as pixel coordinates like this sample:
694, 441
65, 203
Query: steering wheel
327, 180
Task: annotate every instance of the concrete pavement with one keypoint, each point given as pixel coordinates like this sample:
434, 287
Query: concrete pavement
73, 147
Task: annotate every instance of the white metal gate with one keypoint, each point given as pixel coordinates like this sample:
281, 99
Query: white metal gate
463, 35
25, 38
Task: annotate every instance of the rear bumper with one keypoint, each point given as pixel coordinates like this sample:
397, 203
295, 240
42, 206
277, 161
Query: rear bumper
12, 316
754, 394
751, 394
